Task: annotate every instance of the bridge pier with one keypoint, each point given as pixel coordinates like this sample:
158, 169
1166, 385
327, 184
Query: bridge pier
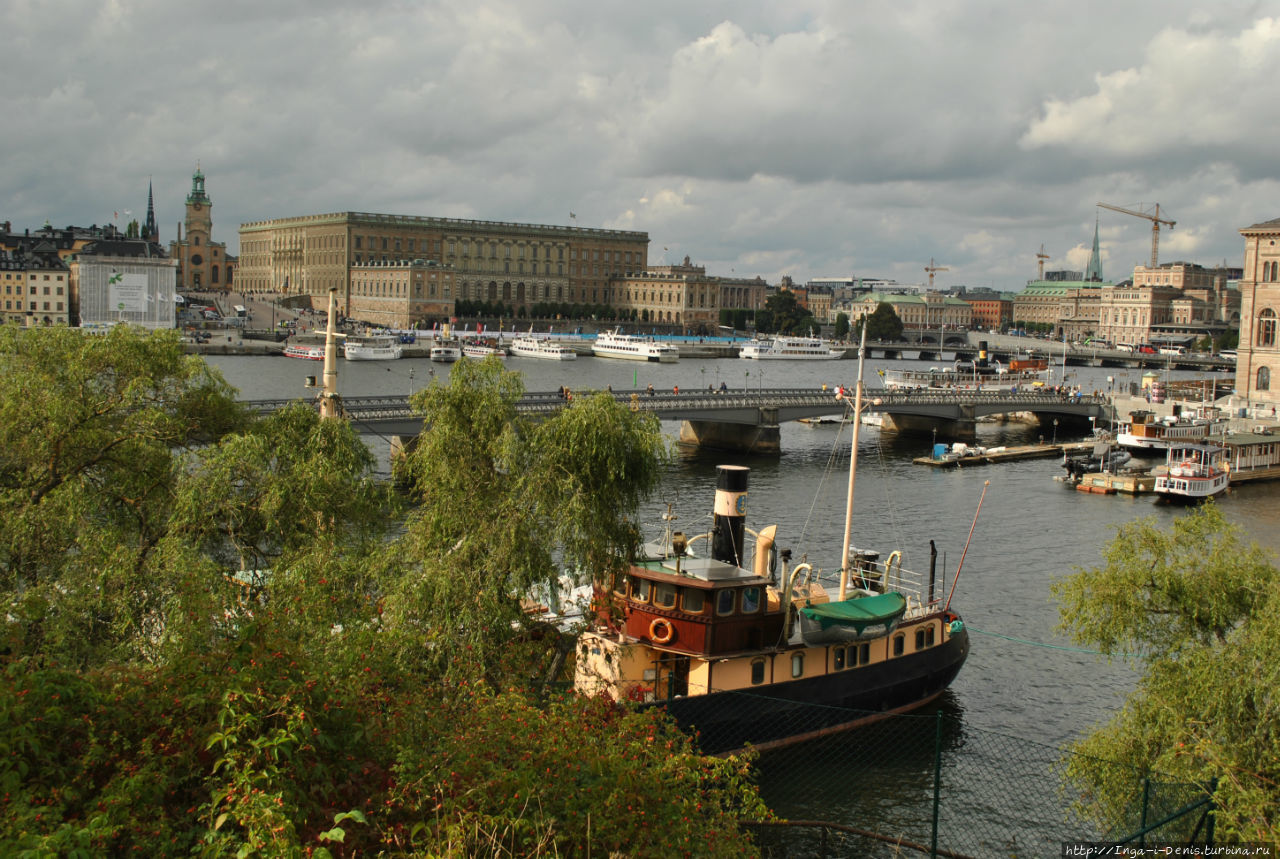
762, 438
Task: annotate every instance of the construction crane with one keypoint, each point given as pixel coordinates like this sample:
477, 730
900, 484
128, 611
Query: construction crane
1040, 258
1155, 220
931, 268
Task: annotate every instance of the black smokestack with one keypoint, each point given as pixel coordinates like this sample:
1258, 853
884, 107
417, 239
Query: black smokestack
730, 514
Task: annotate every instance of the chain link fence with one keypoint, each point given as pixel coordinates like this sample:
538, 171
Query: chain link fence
929, 785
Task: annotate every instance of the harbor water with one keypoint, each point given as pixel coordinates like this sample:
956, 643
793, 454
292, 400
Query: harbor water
1023, 679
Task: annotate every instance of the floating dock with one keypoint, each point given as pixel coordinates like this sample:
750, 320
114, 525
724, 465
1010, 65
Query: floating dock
979, 456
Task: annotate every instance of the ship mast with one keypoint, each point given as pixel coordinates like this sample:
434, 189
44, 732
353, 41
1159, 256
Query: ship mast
853, 467
330, 402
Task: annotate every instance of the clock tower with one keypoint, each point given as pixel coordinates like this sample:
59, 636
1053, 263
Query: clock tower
202, 262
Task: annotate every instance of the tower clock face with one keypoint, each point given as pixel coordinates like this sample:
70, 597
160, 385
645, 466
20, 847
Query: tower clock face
195, 206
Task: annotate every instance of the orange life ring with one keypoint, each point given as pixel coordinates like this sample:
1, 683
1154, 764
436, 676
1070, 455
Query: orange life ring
661, 631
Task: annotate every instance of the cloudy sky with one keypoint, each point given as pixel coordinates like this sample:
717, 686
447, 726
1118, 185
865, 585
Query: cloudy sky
803, 138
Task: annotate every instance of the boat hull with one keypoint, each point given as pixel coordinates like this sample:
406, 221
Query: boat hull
793, 711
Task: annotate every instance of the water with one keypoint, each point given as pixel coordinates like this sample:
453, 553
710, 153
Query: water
1031, 530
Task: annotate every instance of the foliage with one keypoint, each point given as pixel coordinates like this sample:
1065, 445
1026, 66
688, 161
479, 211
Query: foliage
1199, 611
550, 495
89, 431
784, 314
883, 323
842, 326
224, 638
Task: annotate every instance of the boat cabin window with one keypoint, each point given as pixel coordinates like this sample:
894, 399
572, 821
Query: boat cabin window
724, 601
692, 600
664, 595
864, 654
757, 672
837, 658
750, 600
924, 638
899, 644
797, 665
620, 585
640, 590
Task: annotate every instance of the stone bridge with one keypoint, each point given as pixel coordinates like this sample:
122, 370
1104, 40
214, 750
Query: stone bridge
749, 420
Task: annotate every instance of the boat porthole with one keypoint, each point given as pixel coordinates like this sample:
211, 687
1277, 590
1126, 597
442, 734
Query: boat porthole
661, 631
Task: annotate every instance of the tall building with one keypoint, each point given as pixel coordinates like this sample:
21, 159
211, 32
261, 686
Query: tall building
516, 264
1258, 361
202, 262
36, 284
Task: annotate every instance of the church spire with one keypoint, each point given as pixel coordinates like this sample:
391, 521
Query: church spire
1094, 271
150, 231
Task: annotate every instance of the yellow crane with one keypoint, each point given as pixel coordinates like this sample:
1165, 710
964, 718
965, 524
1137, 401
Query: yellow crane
1040, 258
931, 268
1155, 220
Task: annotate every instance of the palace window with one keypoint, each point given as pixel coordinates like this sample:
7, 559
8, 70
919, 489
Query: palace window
1267, 328
1264, 379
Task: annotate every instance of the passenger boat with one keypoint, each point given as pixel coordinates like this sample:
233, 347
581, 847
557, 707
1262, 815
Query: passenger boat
1193, 472
533, 347
1146, 433
374, 348
445, 351
614, 344
784, 348
746, 648
483, 348
1027, 374
301, 350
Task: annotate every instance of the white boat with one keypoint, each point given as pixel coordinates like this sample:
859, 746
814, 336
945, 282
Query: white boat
634, 347
785, 348
971, 376
1145, 432
445, 351
1193, 472
483, 348
311, 353
533, 347
372, 348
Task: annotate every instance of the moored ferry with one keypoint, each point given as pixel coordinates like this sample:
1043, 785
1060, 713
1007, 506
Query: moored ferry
302, 350
1193, 472
784, 348
614, 344
533, 347
482, 348
373, 348
1025, 374
1146, 433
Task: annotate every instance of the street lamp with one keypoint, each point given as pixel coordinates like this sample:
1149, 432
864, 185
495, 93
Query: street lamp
1055, 430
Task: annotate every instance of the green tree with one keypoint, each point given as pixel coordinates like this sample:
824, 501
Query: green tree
842, 326
90, 429
503, 507
1198, 612
884, 324
785, 315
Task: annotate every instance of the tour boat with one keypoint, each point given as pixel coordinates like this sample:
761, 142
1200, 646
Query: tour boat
483, 348
445, 351
298, 350
784, 348
1027, 374
532, 347
614, 344
744, 648
374, 348
1193, 472
1145, 432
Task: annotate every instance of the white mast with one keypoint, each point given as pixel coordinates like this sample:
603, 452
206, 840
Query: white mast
853, 466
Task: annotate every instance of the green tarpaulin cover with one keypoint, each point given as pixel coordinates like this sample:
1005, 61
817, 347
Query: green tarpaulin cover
858, 613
